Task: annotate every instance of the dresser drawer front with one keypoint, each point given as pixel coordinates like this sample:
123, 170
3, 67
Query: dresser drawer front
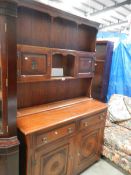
47, 137
98, 118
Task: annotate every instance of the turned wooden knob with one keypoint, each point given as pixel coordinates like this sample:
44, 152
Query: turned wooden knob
56, 132
101, 117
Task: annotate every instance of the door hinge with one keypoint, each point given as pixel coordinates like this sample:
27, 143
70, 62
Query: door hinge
5, 27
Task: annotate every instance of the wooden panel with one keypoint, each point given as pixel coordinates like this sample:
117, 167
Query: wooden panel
33, 64
55, 159
92, 40
83, 38
88, 148
37, 25
64, 34
86, 38
85, 64
44, 138
30, 94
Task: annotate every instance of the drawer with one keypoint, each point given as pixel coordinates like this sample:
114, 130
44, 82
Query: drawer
92, 120
47, 137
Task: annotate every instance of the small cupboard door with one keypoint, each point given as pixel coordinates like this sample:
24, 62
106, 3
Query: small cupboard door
55, 159
88, 149
85, 65
34, 63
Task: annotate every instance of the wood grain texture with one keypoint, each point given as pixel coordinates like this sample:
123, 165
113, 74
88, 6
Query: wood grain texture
38, 26
31, 94
8, 64
42, 29
50, 118
50, 106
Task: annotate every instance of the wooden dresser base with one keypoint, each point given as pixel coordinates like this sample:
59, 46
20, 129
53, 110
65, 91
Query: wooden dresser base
61, 141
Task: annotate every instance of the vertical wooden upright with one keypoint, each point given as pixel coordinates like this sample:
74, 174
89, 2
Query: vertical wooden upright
9, 145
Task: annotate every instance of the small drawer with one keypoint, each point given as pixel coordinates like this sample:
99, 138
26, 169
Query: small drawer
47, 137
86, 122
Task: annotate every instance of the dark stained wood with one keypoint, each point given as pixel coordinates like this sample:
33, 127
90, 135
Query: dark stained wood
11, 76
31, 94
97, 80
37, 25
3, 75
54, 12
33, 63
44, 30
67, 63
64, 34
104, 51
8, 61
9, 145
85, 64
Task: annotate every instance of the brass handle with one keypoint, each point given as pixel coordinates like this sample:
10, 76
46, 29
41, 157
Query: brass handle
78, 154
44, 140
70, 130
95, 64
86, 124
101, 117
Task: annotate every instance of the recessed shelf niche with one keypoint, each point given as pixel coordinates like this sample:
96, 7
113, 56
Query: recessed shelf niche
63, 65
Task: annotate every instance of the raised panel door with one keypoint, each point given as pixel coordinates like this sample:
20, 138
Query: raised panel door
88, 148
85, 64
34, 63
56, 159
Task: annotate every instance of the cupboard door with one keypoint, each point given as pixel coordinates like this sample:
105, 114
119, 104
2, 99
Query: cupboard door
88, 148
85, 66
54, 160
34, 63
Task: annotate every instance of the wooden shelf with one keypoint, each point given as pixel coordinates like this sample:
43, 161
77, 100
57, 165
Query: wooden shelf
45, 107
62, 78
40, 79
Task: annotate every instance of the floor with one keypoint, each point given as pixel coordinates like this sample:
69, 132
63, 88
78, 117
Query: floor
102, 167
